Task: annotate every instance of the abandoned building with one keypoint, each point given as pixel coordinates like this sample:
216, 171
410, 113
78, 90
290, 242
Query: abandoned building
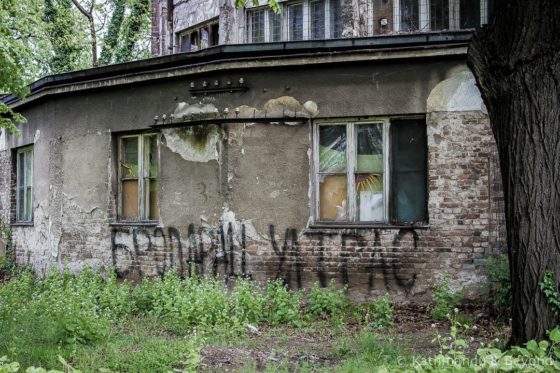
334, 140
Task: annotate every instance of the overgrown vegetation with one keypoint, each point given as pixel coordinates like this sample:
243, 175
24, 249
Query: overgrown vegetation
91, 322
445, 300
499, 286
550, 290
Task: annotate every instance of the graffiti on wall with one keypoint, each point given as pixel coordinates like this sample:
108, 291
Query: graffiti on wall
226, 252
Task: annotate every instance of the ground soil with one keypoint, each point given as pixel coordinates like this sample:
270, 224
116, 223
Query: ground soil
414, 332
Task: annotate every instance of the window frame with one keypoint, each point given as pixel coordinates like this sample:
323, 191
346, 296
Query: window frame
143, 212
28, 215
184, 37
424, 17
351, 163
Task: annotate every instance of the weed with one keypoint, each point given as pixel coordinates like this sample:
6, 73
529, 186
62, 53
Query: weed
499, 285
444, 300
549, 288
282, 305
328, 301
379, 313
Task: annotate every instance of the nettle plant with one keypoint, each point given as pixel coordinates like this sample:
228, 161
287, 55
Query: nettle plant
445, 300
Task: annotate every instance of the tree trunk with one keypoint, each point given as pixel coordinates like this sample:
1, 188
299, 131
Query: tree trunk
516, 62
91, 22
112, 37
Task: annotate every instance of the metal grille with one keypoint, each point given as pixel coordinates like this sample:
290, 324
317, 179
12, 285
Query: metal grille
497, 221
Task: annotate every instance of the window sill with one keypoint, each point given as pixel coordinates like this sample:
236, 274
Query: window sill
22, 224
148, 223
366, 226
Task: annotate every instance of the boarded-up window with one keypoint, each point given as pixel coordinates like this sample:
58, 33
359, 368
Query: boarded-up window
138, 172
371, 171
24, 185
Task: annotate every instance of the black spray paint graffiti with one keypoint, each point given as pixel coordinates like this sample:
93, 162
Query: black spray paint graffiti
223, 253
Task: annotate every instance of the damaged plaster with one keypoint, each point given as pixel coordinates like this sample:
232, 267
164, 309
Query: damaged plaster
457, 93
195, 143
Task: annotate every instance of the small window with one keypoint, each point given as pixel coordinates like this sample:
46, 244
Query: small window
439, 15
295, 22
138, 177
469, 14
410, 18
256, 26
335, 15
199, 37
371, 172
24, 185
317, 19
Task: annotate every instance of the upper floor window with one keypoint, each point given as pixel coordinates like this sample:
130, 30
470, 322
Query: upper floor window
435, 15
263, 25
199, 37
138, 177
24, 184
371, 172
310, 19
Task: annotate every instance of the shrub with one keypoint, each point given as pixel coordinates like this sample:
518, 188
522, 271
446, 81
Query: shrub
444, 300
499, 285
550, 290
328, 301
282, 305
379, 313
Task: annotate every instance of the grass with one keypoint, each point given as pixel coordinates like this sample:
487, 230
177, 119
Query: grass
184, 325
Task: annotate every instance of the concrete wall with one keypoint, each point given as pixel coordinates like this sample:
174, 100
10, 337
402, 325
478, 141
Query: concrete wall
241, 204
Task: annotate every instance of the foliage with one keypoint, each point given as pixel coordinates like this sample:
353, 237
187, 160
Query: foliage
282, 305
328, 301
499, 285
549, 288
379, 313
444, 300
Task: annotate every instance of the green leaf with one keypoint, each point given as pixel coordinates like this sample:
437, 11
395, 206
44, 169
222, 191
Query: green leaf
555, 335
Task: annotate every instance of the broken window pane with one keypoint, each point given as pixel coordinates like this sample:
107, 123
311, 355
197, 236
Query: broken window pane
369, 172
333, 198
317, 16
409, 15
470, 13
150, 149
295, 22
130, 199
336, 18
439, 14
256, 22
129, 157
409, 159
369, 190
151, 196
275, 25
332, 148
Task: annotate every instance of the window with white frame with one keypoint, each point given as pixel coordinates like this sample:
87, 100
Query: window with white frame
263, 25
24, 184
306, 20
436, 15
138, 177
371, 171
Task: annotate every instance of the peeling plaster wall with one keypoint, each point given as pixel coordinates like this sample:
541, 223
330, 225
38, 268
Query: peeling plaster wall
234, 198
187, 14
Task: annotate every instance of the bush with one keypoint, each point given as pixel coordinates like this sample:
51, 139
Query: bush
328, 301
282, 305
444, 300
379, 313
499, 285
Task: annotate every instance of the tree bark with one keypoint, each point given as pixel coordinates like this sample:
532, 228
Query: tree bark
516, 62
89, 16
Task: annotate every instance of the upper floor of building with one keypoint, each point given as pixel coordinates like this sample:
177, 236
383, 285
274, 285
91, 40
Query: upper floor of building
191, 25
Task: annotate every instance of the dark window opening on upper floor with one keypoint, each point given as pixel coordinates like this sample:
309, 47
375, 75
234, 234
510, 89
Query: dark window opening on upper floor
199, 37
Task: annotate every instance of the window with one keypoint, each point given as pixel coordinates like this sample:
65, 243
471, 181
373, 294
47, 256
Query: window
138, 173
263, 25
436, 15
317, 19
372, 172
335, 17
256, 26
199, 37
295, 22
24, 185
